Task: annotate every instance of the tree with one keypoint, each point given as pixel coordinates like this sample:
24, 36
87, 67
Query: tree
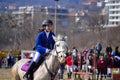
6, 30
96, 23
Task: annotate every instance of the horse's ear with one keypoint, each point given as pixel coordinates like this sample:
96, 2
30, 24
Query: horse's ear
55, 39
60, 38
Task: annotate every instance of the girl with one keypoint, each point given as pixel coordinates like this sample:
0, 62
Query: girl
44, 44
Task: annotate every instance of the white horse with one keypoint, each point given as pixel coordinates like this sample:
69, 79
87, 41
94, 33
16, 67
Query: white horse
49, 67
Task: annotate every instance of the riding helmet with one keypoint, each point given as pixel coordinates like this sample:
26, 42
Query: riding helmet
47, 22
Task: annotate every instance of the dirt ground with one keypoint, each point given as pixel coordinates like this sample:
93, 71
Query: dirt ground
5, 74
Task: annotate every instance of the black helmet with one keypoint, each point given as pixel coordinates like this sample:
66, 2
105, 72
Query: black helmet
46, 22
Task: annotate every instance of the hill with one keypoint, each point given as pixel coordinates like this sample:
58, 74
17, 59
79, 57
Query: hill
63, 3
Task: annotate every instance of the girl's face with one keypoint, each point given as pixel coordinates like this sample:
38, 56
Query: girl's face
49, 27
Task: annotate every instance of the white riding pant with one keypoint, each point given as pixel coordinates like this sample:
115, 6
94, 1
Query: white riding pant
69, 68
109, 70
36, 57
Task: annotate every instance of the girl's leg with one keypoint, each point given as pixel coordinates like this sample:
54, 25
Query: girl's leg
36, 57
32, 65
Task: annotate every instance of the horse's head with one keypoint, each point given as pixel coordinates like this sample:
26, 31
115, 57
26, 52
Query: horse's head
60, 47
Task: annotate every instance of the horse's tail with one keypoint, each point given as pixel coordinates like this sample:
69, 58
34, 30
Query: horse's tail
14, 71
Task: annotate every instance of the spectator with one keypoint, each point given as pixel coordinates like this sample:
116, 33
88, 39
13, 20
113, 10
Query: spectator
13, 60
110, 63
98, 49
108, 49
3, 62
75, 57
90, 63
9, 59
27, 55
116, 54
83, 60
69, 65
79, 62
101, 66
117, 51
19, 55
92, 50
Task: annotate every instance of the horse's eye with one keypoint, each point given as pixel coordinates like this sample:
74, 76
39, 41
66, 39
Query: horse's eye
57, 45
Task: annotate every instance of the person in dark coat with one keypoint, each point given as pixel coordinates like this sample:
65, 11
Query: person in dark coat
98, 49
117, 57
44, 44
108, 49
101, 66
110, 63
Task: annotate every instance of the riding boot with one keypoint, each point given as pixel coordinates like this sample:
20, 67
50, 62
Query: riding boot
30, 70
68, 75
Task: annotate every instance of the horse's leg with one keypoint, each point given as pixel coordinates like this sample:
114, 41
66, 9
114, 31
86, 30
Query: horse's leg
15, 76
14, 72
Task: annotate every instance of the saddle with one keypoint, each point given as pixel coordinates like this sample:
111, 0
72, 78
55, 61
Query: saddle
26, 65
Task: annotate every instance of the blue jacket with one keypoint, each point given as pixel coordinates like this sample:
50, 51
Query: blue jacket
43, 43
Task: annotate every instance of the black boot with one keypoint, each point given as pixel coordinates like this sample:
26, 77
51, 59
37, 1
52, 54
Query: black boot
68, 75
30, 70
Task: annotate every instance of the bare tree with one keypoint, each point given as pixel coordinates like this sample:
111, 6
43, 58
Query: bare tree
96, 23
6, 32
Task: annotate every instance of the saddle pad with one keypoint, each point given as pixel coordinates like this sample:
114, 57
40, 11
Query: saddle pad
25, 66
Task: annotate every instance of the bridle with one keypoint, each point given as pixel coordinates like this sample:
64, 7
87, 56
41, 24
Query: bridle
54, 72
59, 51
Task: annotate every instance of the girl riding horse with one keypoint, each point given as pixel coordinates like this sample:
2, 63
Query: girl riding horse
44, 44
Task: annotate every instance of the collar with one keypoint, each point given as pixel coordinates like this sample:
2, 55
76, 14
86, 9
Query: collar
47, 33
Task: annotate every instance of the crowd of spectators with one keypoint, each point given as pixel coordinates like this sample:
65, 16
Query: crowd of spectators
95, 60
8, 60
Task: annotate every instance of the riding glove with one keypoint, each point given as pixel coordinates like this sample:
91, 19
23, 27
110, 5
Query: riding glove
48, 50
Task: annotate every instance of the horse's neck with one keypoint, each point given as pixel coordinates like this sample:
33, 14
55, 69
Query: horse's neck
52, 62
